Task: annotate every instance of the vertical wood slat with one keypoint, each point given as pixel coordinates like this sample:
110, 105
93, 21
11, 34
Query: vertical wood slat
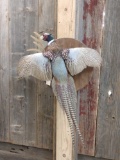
24, 20
47, 16
45, 97
4, 71
65, 28
26, 127
91, 28
66, 19
108, 124
45, 106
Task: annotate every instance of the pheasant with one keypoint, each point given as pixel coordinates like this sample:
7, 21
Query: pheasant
59, 66
47, 37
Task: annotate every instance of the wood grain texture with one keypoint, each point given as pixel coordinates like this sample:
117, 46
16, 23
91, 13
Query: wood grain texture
45, 97
91, 28
13, 152
24, 20
45, 106
65, 28
47, 16
63, 136
79, 30
4, 71
85, 157
108, 124
29, 111
17, 152
66, 19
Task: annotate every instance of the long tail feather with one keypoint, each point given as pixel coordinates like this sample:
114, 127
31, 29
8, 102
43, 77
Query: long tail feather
72, 102
60, 93
66, 95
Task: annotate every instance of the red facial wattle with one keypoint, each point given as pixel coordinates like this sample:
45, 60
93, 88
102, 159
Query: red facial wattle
45, 37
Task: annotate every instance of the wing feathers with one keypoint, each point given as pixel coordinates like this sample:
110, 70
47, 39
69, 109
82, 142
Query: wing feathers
35, 65
81, 58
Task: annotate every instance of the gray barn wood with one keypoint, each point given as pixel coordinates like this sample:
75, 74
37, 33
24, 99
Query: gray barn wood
23, 21
26, 106
17, 152
89, 31
4, 71
108, 124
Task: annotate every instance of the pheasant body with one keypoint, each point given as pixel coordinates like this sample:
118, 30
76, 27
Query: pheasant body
61, 65
59, 70
64, 89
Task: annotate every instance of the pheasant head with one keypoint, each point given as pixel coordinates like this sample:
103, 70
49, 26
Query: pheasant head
47, 37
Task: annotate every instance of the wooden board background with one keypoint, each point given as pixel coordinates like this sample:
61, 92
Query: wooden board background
108, 124
4, 72
25, 118
89, 31
13, 152
26, 106
65, 28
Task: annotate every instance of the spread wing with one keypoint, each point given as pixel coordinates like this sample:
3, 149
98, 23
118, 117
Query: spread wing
35, 65
81, 58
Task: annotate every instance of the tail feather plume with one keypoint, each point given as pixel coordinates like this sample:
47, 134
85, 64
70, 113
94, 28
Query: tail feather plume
67, 97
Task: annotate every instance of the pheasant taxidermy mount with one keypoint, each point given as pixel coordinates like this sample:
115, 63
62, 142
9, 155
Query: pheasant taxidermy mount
47, 37
59, 66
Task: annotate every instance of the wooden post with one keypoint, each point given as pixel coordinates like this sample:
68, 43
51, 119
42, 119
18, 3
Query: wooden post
65, 28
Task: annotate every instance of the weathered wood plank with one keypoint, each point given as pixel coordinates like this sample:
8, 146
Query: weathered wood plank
47, 16
91, 29
17, 118
63, 136
45, 97
45, 108
108, 126
31, 22
25, 122
4, 71
40, 155
13, 152
28, 126
79, 30
24, 21
65, 28
66, 19
84, 157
